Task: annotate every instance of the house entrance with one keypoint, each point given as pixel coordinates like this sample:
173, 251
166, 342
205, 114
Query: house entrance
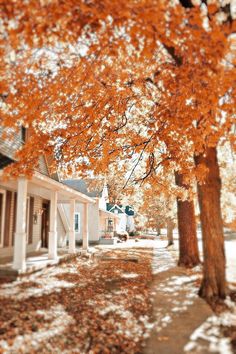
45, 224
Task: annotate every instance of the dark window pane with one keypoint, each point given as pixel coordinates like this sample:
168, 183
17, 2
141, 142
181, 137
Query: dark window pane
23, 134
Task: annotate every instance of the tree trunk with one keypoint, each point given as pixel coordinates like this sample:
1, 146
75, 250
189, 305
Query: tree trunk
158, 230
170, 227
188, 244
213, 285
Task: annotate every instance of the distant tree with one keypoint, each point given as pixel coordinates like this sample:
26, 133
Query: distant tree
160, 212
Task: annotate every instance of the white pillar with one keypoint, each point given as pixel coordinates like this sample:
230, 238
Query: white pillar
98, 226
85, 228
20, 234
72, 227
114, 222
52, 242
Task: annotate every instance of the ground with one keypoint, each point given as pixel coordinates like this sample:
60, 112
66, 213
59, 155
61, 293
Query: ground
130, 298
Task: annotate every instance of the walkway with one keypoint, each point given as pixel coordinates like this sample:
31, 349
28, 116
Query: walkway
129, 298
183, 323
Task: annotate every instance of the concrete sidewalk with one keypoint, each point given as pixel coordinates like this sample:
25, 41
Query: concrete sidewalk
183, 323
177, 312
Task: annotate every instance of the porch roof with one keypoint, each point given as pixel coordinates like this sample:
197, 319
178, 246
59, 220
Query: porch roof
109, 213
42, 185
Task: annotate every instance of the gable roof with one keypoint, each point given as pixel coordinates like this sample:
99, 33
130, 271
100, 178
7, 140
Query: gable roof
113, 207
9, 146
128, 210
81, 186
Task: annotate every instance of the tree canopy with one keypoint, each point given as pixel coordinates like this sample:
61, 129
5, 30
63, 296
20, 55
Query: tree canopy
149, 81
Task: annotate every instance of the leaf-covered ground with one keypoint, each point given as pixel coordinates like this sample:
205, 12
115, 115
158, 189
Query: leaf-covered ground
129, 299
86, 306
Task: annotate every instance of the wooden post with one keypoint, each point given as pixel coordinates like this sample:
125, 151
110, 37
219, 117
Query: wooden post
19, 256
72, 227
52, 244
85, 233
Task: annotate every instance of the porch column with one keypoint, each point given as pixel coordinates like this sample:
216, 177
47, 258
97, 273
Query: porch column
52, 242
85, 227
114, 221
98, 220
20, 234
72, 227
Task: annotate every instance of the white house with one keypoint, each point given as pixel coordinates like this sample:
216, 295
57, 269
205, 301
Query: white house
125, 217
102, 222
31, 211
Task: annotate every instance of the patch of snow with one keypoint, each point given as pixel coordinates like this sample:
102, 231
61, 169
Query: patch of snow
162, 259
45, 282
230, 247
129, 275
183, 279
119, 309
166, 319
208, 337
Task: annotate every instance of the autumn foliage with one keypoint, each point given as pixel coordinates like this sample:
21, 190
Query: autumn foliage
98, 83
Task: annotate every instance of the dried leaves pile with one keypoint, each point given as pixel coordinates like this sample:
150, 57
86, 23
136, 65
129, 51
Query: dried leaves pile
85, 306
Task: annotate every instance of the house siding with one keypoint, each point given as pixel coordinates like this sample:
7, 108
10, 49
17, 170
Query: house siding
79, 209
36, 241
8, 147
93, 221
7, 250
36, 237
42, 167
61, 231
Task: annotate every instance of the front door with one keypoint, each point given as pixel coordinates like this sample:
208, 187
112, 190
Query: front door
45, 224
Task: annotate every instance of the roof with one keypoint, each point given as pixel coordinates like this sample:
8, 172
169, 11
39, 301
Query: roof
108, 213
128, 210
113, 207
42, 185
9, 147
81, 186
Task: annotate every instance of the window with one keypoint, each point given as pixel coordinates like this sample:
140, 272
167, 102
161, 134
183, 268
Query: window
109, 225
77, 222
23, 132
2, 215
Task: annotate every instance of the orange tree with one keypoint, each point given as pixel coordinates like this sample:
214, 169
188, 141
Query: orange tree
195, 111
160, 211
149, 85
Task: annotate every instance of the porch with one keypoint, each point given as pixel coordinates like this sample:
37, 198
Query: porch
108, 224
35, 261
24, 259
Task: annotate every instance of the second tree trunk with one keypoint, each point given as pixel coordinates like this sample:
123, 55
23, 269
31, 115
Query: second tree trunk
188, 244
